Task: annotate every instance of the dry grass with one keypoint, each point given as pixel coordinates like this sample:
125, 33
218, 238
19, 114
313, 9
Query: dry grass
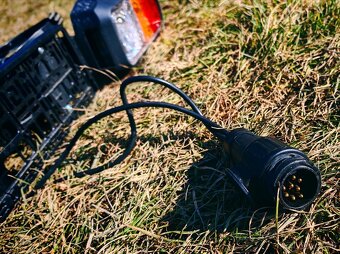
271, 67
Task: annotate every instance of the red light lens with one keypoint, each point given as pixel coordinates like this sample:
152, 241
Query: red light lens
149, 17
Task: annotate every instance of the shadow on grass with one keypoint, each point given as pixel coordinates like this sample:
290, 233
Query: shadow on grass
210, 201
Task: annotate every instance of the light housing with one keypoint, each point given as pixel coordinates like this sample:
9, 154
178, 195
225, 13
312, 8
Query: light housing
114, 34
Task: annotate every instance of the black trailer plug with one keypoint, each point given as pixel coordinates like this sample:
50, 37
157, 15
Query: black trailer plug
263, 165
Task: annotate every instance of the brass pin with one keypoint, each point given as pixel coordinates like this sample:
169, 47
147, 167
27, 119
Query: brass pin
297, 188
291, 186
286, 194
293, 177
299, 180
300, 195
292, 197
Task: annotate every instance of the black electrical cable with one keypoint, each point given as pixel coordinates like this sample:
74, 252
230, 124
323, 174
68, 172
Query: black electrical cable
219, 132
162, 82
133, 128
133, 135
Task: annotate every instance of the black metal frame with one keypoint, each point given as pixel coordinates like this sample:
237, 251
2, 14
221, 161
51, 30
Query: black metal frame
40, 83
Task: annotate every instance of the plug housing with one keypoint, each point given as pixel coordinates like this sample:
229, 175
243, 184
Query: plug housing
262, 165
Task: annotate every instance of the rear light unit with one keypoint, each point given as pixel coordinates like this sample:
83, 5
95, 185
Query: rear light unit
114, 34
41, 80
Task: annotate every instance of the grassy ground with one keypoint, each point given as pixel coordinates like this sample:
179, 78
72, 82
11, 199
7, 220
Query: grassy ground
270, 66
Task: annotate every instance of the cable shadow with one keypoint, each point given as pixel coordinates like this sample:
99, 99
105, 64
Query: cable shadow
211, 201
89, 154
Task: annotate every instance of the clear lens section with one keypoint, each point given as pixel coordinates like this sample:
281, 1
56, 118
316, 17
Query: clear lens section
128, 29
